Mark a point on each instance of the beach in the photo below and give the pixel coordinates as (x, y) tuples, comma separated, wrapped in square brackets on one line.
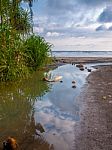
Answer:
[(83, 59), (94, 129)]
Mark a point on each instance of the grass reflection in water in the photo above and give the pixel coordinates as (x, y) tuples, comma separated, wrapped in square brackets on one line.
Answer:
[(16, 112)]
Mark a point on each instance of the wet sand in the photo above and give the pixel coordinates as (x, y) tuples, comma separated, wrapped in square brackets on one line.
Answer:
[(58, 61), (94, 130), (83, 59)]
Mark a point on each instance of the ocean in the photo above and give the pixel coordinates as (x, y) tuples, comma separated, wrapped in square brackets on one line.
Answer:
[(82, 53)]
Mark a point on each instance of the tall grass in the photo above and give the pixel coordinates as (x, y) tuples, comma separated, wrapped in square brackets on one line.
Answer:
[(19, 57), (12, 63), (37, 51), (20, 50)]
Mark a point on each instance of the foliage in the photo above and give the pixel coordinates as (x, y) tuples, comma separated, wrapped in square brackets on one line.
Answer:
[(37, 51), (12, 63), (20, 50), (18, 57)]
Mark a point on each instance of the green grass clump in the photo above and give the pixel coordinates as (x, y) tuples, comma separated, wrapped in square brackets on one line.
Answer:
[(37, 51), (20, 50), (19, 57)]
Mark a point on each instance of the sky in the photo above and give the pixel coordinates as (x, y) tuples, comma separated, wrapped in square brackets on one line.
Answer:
[(74, 24)]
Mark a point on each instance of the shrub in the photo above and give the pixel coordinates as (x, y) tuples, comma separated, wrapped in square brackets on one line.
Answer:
[(37, 51)]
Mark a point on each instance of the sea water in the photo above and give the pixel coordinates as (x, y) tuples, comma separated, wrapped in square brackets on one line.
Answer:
[(82, 53)]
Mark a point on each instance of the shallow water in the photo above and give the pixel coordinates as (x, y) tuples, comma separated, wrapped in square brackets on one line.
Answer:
[(58, 110), (39, 114)]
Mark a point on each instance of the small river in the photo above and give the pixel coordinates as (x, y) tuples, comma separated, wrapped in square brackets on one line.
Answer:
[(42, 115)]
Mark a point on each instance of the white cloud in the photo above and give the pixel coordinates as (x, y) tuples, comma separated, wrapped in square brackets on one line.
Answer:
[(52, 34), (75, 18), (85, 43), (38, 29)]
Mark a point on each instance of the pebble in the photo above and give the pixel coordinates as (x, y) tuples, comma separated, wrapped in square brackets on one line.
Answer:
[(89, 70), (109, 96), (74, 86), (104, 97), (73, 81), (82, 69)]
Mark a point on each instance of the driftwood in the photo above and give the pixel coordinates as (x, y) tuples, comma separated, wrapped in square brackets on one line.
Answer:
[(57, 78)]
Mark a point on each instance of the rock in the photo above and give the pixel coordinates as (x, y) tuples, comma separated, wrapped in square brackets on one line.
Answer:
[(10, 144), (104, 97), (80, 65), (74, 86), (73, 82), (82, 68), (110, 102), (89, 70), (109, 96)]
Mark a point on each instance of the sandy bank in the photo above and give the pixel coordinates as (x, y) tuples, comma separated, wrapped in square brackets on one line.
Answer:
[(94, 130), (83, 59)]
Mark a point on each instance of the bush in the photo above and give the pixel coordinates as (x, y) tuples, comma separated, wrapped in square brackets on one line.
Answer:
[(37, 51), (20, 57)]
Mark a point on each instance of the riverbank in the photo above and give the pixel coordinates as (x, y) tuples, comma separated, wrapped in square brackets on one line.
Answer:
[(94, 130), (58, 61), (64, 117), (83, 59)]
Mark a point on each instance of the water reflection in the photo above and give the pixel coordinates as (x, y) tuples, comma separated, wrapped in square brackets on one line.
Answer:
[(59, 109), (39, 114), (17, 113)]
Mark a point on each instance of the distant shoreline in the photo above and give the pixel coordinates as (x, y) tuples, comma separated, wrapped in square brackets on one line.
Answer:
[(81, 53), (83, 59), (59, 61)]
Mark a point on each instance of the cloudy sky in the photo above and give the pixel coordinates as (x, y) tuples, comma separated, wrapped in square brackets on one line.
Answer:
[(75, 24)]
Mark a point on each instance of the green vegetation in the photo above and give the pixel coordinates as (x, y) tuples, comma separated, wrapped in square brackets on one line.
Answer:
[(37, 51), (21, 52), (17, 110)]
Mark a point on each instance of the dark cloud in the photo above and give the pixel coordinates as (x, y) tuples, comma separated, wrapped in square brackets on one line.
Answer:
[(63, 11), (59, 6), (106, 15), (76, 10), (95, 3), (110, 28), (69, 5), (101, 28)]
